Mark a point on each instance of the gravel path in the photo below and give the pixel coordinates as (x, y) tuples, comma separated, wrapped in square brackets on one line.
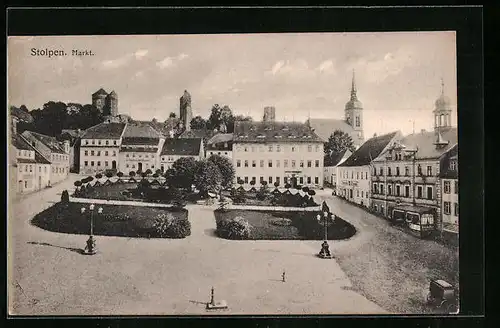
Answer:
[(387, 265)]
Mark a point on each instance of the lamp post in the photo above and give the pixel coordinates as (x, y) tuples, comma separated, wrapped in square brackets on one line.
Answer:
[(325, 248), (90, 248)]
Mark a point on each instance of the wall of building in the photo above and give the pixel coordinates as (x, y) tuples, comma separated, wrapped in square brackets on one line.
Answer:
[(449, 201), (279, 162), (353, 183), (59, 167), (166, 161), (97, 159), (132, 161)]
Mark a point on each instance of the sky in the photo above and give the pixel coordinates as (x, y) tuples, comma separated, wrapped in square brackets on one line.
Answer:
[(398, 75)]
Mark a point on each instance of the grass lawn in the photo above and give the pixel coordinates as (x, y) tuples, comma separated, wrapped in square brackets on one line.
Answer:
[(111, 191), (302, 225), (116, 220)]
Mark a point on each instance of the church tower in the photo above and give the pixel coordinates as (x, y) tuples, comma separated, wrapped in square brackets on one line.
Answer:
[(185, 112), (354, 112), (442, 112)]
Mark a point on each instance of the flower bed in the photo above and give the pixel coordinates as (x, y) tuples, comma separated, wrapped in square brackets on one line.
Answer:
[(273, 197), (116, 220), (300, 225)]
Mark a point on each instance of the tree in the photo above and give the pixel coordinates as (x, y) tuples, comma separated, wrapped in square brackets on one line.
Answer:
[(208, 177), (98, 176), (226, 168), (276, 184), (148, 172), (131, 174), (198, 123), (119, 175), (172, 115), (337, 142), (182, 172), (220, 115)]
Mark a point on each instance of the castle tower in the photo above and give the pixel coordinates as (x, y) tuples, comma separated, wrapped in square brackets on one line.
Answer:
[(186, 114), (99, 99), (269, 114), (442, 112), (354, 111), (111, 107)]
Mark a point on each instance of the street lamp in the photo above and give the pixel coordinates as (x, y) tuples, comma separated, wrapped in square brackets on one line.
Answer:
[(90, 249), (325, 248)]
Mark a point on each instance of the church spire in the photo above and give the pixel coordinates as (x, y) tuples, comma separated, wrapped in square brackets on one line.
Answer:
[(353, 86), (442, 86)]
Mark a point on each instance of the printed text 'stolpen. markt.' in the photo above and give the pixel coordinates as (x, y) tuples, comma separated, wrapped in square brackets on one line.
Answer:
[(59, 53)]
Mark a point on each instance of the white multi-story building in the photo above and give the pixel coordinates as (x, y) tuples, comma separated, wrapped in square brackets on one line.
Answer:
[(449, 187), (100, 146), (354, 174), (174, 149), (331, 164), (220, 144), (282, 152), (58, 153)]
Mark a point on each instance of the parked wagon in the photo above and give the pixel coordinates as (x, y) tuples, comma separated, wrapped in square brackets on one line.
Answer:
[(417, 219), (443, 296)]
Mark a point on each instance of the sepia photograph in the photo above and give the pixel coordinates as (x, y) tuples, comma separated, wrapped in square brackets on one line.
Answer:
[(233, 174)]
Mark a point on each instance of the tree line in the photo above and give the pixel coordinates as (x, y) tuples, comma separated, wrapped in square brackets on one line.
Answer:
[(218, 115)]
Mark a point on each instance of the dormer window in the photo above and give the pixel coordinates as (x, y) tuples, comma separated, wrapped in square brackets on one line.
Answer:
[(453, 165)]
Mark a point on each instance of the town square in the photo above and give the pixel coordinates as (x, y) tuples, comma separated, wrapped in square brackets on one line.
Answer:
[(135, 195)]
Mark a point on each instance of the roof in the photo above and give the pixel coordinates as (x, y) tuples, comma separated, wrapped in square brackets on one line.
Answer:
[(104, 131), (336, 157), (184, 146), (425, 143), (445, 170), (72, 132), (21, 114), (221, 141), (273, 132), (40, 159), (20, 143), (197, 134), (165, 127), (141, 130), (51, 142), (370, 150), (100, 92), (324, 128), (128, 149), (25, 160)]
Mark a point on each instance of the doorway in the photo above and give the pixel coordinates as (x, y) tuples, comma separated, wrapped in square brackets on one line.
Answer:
[(350, 193), (113, 165), (139, 166), (294, 181)]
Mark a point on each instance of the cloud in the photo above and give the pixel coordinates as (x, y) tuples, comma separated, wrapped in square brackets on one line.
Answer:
[(166, 62), (326, 66), (182, 56), (277, 67), (115, 63), (141, 53), (298, 68)]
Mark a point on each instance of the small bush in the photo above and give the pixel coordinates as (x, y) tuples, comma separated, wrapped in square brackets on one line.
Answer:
[(167, 226), (237, 228), (65, 197)]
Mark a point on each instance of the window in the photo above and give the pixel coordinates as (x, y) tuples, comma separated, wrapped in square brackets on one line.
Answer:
[(366, 175), (86, 164), (285, 180), (278, 163), (92, 163), (278, 148), (261, 163), (381, 189), (293, 149), (316, 180), (389, 189), (114, 152), (107, 142), (270, 180), (447, 187), (270, 163), (127, 166), (245, 149), (246, 163), (308, 180), (316, 163), (86, 142), (106, 163), (270, 148), (277, 180), (86, 153), (389, 173), (301, 180), (293, 163), (375, 189), (133, 166), (419, 191), (92, 153), (93, 142), (106, 153), (127, 155), (447, 208), (254, 163), (456, 209), (429, 170), (429, 192), (252, 148), (261, 180), (381, 171), (352, 174), (309, 163), (407, 171), (246, 179), (25, 184), (357, 121), (357, 175), (453, 165), (407, 191), (317, 148), (456, 187), (301, 163), (238, 163), (114, 142), (398, 190), (98, 163), (309, 148), (419, 170), (285, 163), (397, 171)]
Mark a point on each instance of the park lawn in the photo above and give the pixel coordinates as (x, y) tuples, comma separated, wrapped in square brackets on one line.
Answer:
[(303, 226), (116, 220)]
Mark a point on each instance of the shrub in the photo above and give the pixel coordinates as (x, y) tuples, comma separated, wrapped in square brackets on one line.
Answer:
[(148, 172), (98, 176), (109, 174), (223, 203), (237, 228), (65, 197), (131, 174), (156, 175), (78, 183), (282, 222), (167, 226), (240, 197), (276, 184)]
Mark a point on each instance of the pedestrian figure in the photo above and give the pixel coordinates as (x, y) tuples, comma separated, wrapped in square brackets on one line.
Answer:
[(283, 276)]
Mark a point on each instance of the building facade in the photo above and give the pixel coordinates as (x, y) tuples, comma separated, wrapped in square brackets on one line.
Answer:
[(331, 163), (450, 191), (354, 174), (100, 147), (58, 153), (281, 152), (220, 144), (174, 149)]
